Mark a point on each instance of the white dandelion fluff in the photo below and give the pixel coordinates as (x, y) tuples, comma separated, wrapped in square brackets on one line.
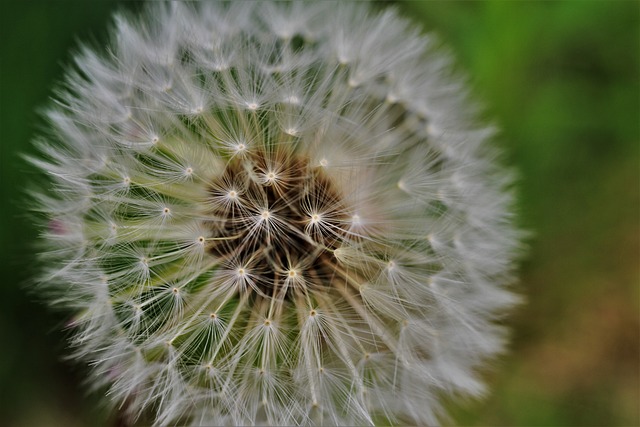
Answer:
[(275, 213)]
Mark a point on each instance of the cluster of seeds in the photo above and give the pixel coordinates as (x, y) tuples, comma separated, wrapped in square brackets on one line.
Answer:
[(275, 213), (279, 218)]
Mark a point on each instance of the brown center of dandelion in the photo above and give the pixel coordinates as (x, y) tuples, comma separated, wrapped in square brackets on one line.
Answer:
[(277, 218)]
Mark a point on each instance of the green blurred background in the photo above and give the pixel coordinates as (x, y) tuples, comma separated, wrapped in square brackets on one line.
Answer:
[(561, 78)]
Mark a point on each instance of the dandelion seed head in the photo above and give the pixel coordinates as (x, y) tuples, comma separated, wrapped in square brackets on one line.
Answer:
[(275, 213)]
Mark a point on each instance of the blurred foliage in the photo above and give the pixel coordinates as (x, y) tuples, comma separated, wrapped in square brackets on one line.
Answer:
[(560, 78)]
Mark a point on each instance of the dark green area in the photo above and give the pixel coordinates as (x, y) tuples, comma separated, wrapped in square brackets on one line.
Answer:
[(38, 387), (560, 78)]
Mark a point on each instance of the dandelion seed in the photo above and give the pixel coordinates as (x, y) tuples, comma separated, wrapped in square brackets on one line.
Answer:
[(275, 213)]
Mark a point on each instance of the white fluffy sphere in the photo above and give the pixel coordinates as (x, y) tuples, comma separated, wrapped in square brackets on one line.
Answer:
[(275, 213)]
